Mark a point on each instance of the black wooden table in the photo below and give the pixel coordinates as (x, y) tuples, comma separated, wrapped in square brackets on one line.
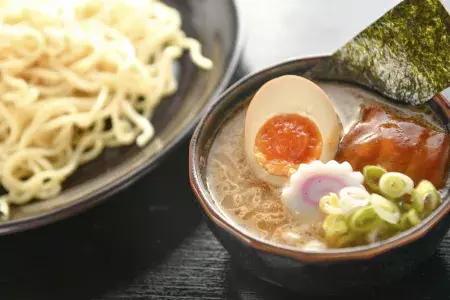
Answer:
[(149, 242)]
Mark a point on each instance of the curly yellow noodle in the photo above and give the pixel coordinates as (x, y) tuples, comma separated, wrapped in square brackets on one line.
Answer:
[(76, 77)]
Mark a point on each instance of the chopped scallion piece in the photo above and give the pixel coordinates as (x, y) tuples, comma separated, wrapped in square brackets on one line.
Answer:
[(329, 204), (409, 219), (425, 197), (385, 209), (384, 231), (395, 185), (372, 175), (350, 198), (341, 241), (4, 209), (335, 225), (364, 219)]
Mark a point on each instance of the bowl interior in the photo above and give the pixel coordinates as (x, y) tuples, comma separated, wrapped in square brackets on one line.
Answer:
[(347, 99), (215, 25)]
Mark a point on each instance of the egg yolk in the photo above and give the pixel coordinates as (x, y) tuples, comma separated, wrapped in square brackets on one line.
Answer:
[(285, 141)]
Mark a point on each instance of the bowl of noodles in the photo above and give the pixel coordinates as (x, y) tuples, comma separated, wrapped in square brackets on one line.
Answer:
[(95, 92)]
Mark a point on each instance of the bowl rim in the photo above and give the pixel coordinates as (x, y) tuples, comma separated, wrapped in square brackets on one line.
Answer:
[(100, 195), (354, 253)]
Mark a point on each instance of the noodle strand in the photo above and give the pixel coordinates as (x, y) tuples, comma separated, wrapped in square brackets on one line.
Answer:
[(76, 77)]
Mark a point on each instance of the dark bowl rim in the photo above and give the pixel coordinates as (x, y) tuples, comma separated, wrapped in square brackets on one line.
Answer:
[(354, 253), (98, 196)]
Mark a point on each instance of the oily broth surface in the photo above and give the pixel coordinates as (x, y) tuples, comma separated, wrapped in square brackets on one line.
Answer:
[(244, 198)]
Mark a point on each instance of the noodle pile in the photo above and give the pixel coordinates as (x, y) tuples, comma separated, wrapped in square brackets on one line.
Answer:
[(76, 77)]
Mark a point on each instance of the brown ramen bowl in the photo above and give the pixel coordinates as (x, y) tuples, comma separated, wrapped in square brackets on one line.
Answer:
[(330, 271)]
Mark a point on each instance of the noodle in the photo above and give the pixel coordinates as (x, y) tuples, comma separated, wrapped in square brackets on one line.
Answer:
[(76, 77)]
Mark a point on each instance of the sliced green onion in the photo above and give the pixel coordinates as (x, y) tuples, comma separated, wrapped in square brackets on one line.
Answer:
[(395, 185), (385, 209), (409, 219), (372, 175), (335, 225), (380, 233), (364, 219), (329, 204), (413, 217), (4, 209), (425, 197), (353, 197), (405, 206), (341, 241), (374, 235)]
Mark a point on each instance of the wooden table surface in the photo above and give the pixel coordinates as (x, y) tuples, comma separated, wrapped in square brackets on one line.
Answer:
[(149, 242)]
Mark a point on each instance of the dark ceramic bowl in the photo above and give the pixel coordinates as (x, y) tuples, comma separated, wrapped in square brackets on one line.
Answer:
[(216, 25), (330, 271)]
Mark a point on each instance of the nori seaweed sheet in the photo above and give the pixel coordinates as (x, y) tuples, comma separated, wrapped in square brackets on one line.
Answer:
[(405, 55)]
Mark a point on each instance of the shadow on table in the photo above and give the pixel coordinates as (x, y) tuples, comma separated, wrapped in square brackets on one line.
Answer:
[(107, 247), (430, 281)]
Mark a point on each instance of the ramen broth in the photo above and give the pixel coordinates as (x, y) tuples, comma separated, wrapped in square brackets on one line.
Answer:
[(254, 204)]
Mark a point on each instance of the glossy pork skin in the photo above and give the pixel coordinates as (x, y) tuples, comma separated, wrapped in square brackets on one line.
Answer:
[(397, 144)]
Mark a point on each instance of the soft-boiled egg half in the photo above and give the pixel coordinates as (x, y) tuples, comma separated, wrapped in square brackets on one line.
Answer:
[(289, 121)]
